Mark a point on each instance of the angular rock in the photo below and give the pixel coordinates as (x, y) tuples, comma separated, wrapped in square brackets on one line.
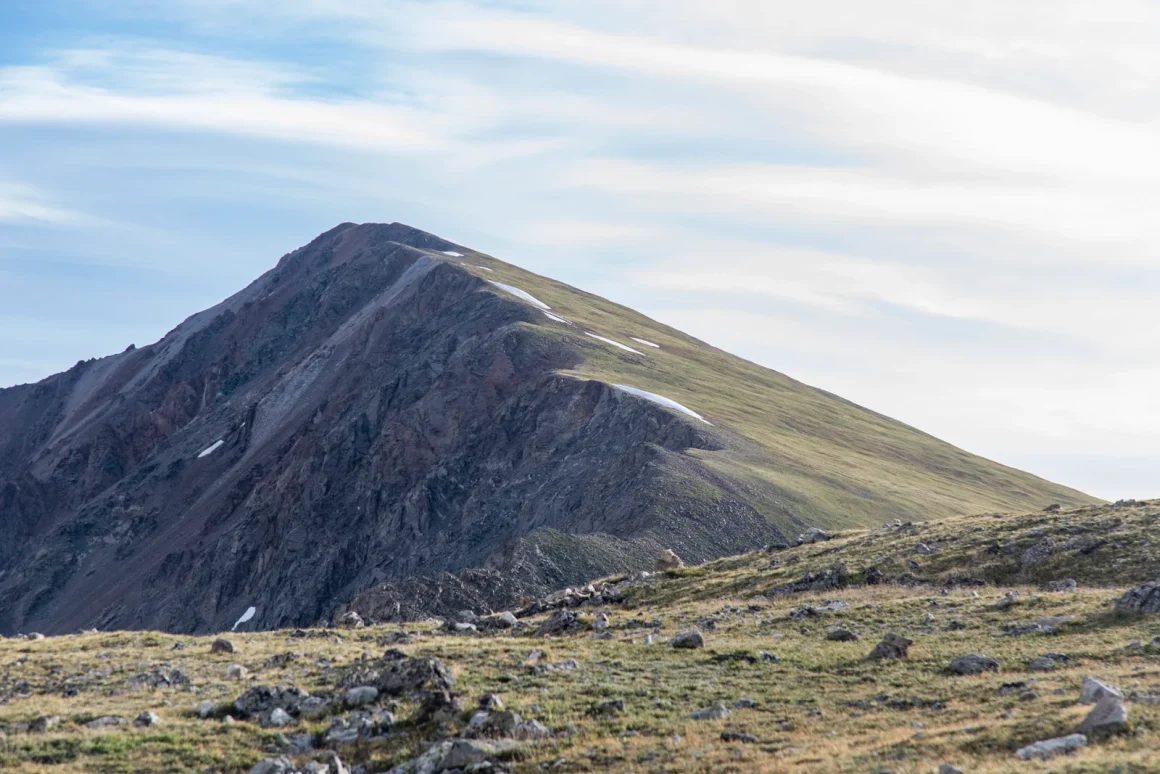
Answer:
[(108, 721), (204, 709), (147, 720), (668, 560), (360, 696), (1094, 689), (1109, 716), (272, 766), (974, 664), (812, 535), (840, 634), (1049, 748), (1067, 584), (415, 675), (275, 718), (236, 672), (713, 712), (892, 646), (43, 723), (1143, 600), (1038, 553), (946, 768), (350, 620), (221, 645), (689, 640), (559, 622)]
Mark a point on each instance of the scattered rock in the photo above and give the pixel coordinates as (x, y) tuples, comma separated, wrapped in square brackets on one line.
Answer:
[(923, 549), (414, 675), (1143, 600), (668, 560), (892, 646), (1050, 748), (714, 712), (559, 622), (737, 736), (236, 672), (147, 720), (607, 708), (1109, 716), (1067, 584), (1038, 553), (974, 664), (946, 768), (204, 709), (280, 660), (691, 639), (105, 722), (1048, 662), (275, 718), (531, 730), (1094, 689), (360, 696), (601, 623), (350, 620), (491, 702), (43, 723), (812, 535), (221, 645), (840, 634), (272, 766)]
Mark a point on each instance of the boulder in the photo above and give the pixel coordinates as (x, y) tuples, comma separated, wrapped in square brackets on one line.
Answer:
[(1109, 716), (1143, 600), (974, 664), (43, 723), (689, 640), (275, 718), (713, 712), (415, 675), (812, 535), (1094, 689), (360, 696), (559, 622), (236, 672), (221, 645), (668, 560), (1038, 553), (1049, 748), (840, 634), (1059, 586), (892, 646), (262, 698), (205, 709), (107, 721), (350, 620), (147, 720), (272, 766)]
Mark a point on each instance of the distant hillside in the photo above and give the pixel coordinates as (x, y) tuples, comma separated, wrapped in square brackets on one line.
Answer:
[(385, 407)]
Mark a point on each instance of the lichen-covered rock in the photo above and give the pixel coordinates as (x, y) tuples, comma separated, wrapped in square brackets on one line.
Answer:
[(892, 646), (1143, 600), (689, 640), (416, 675), (974, 664), (668, 560)]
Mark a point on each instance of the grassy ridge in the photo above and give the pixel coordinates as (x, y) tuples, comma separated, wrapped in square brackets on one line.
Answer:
[(831, 462), (819, 707)]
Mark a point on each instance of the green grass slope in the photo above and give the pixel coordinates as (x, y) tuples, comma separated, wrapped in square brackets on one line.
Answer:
[(799, 449)]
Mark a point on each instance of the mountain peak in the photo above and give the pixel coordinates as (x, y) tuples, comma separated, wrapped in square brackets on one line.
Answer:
[(385, 407)]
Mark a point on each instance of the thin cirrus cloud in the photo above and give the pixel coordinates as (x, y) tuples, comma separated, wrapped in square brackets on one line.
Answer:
[(943, 210)]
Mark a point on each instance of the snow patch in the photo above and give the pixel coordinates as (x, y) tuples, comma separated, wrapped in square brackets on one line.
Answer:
[(246, 616), (521, 294), (551, 316), (662, 401), (625, 347), (453, 254), (483, 267), (213, 447), (646, 342)]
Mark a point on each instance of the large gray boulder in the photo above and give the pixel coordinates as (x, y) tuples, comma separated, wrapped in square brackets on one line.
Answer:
[(892, 646), (1143, 600), (1109, 716), (1093, 690), (1049, 748), (688, 640), (974, 664)]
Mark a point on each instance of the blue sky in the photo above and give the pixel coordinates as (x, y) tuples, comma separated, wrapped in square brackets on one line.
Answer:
[(944, 211)]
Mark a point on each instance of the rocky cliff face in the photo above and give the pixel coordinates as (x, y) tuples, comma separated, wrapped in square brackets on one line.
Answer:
[(367, 411), (369, 416)]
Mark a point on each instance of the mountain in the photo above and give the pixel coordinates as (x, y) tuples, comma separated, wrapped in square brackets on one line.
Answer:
[(396, 422)]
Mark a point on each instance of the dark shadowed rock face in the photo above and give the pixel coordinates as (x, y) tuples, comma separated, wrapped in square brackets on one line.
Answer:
[(367, 415)]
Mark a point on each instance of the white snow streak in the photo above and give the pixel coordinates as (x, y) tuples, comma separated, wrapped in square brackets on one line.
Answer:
[(662, 401), (245, 617), (521, 294), (646, 342), (625, 347), (216, 445), (452, 253), (551, 316), (483, 267)]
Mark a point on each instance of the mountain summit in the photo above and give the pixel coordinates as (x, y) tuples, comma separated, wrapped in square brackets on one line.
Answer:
[(390, 421)]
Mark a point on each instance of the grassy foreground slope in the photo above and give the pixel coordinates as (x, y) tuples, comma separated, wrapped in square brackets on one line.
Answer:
[(621, 699), (829, 461)]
